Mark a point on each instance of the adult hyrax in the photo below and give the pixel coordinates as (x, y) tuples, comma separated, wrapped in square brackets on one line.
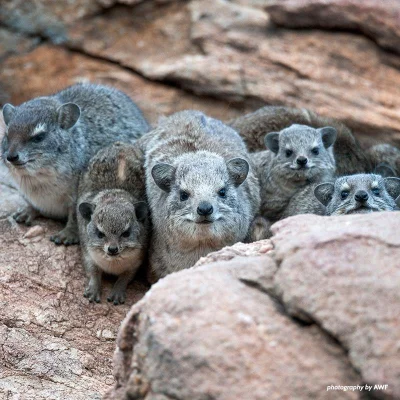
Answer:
[(350, 157), (361, 193), (113, 218), (298, 156), (49, 140), (385, 159), (201, 188)]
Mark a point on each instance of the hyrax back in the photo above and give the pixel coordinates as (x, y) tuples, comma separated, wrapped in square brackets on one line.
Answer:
[(360, 193), (113, 218), (49, 141), (298, 156), (385, 159), (201, 188), (350, 157)]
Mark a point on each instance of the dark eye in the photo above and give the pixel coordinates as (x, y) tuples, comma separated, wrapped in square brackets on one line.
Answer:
[(289, 153), (99, 234), (344, 194), (126, 233), (222, 192), (376, 191), (184, 195), (315, 151), (38, 138)]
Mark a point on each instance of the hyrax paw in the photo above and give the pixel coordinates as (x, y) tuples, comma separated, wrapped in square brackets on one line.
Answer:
[(92, 294), (66, 237), (117, 297), (25, 216)]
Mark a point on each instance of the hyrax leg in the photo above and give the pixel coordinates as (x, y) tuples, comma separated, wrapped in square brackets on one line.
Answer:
[(118, 292), (68, 235), (93, 288), (26, 215)]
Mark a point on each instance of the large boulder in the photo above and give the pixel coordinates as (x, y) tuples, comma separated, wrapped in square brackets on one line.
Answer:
[(288, 318)]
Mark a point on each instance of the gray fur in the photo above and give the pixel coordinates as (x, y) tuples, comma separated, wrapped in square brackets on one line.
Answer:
[(281, 177), (55, 137), (194, 154), (112, 200), (342, 196), (385, 159)]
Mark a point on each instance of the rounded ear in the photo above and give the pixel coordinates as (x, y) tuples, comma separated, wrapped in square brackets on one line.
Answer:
[(141, 211), (68, 115), (86, 210), (328, 134), (324, 192), (163, 175), (392, 186), (385, 170), (238, 168), (8, 112), (271, 140)]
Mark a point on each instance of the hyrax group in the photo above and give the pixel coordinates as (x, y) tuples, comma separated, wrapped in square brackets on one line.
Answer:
[(163, 197)]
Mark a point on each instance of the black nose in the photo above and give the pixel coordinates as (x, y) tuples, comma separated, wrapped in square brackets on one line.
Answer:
[(361, 196), (112, 250), (205, 208), (12, 157), (301, 160)]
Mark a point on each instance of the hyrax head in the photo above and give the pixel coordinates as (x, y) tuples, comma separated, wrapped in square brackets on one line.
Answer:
[(301, 152), (361, 193), (36, 133), (202, 194), (115, 226)]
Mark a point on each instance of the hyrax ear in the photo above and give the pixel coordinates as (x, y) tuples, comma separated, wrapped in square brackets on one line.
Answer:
[(86, 210), (141, 210), (385, 170), (8, 112), (238, 168), (68, 115), (392, 186), (328, 134), (271, 140), (163, 175), (324, 193)]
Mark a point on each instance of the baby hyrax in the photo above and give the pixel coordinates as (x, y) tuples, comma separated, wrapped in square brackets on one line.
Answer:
[(297, 157), (49, 140), (361, 193), (201, 188), (113, 218)]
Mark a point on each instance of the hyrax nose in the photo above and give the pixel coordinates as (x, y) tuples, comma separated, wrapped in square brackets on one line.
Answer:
[(301, 160), (205, 208), (112, 250), (12, 157), (361, 196)]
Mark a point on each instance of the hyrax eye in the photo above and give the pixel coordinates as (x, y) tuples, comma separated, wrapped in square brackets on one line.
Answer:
[(38, 138), (184, 195), (100, 234), (376, 191), (288, 152), (126, 233), (222, 193), (344, 194), (315, 151)]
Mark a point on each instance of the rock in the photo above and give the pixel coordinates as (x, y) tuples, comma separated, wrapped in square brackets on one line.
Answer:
[(49, 347), (204, 333), (376, 19), (230, 51), (343, 274), (25, 77)]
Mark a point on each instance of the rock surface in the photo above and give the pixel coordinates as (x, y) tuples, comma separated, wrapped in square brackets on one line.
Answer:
[(222, 327)]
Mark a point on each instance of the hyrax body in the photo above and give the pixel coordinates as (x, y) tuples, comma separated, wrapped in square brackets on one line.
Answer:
[(113, 218), (49, 141), (298, 157), (360, 193), (385, 159), (201, 188), (350, 157)]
